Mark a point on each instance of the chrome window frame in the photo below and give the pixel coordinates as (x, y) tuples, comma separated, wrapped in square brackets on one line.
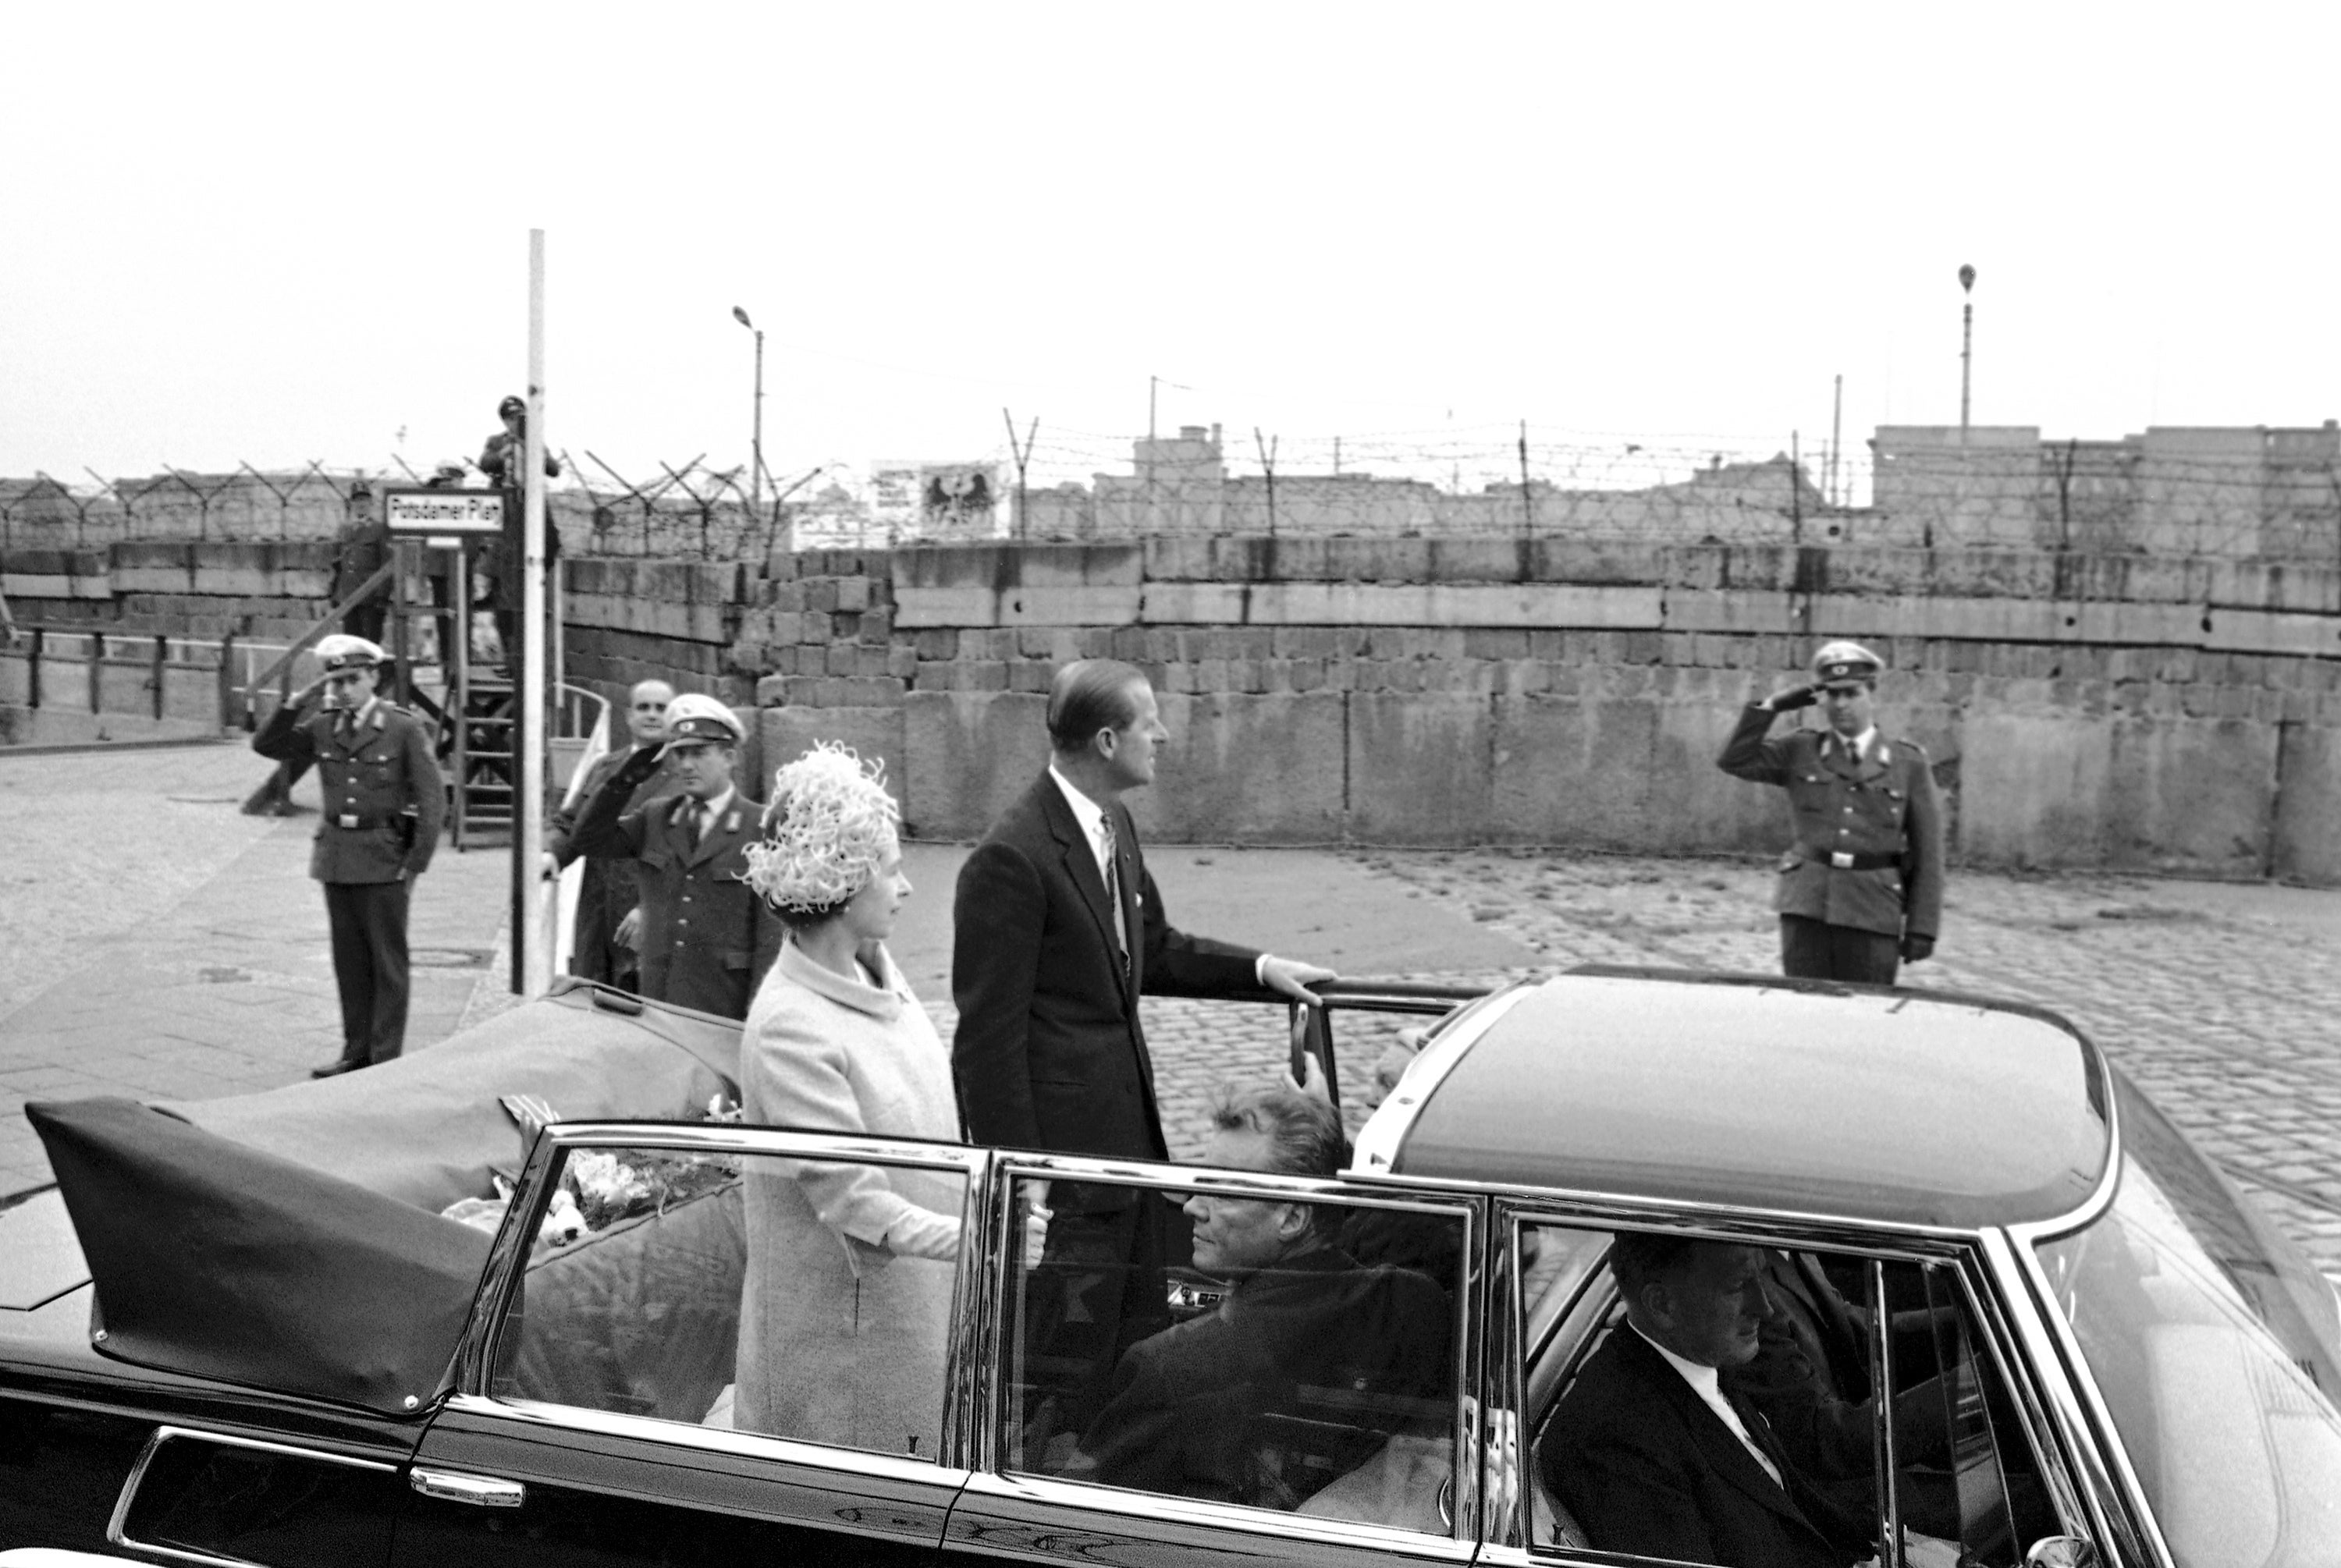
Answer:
[(1455, 1201), (161, 1435), (470, 1383), (2064, 1455), (1378, 1143)]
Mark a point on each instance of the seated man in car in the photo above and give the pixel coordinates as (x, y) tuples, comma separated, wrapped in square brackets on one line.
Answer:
[(1810, 1380), (1649, 1450), (1304, 1367)]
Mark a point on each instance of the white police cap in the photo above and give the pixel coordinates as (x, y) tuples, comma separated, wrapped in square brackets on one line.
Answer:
[(1838, 661), (693, 717), (343, 652)]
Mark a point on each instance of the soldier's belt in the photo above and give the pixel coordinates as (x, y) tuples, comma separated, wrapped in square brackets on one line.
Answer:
[(1843, 861), (358, 821)]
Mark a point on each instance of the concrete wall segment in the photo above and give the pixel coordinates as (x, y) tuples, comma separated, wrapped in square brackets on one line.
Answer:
[(2306, 840), (973, 753), (1419, 768), (786, 734)]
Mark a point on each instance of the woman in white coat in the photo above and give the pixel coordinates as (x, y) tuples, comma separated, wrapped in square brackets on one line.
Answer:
[(845, 1317)]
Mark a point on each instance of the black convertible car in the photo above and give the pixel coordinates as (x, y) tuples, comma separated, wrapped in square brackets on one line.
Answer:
[(364, 1322)]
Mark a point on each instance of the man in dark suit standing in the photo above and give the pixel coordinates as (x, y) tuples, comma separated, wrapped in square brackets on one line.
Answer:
[(383, 800), (1861, 891), (606, 893), (1653, 1453), (1058, 930), (706, 938)]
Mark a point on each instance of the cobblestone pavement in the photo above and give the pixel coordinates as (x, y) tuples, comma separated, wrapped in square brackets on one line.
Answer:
[(153, 943)]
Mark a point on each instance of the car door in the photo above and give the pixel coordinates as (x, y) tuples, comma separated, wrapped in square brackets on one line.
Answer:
[(1980, 1469), (677, 1361), (1149, 1395)]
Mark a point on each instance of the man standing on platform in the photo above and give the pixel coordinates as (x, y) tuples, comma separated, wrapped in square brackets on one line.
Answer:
[(384, 803), (1861, 891), (506, 558), (1059, 929), (606, 893), (706, 938)]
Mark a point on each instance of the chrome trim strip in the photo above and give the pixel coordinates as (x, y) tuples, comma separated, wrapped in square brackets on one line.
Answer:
[(161, 1435), (477, 1491), (538, 1415), (1884, 1417), (1381, 1140), (1137, 1510)]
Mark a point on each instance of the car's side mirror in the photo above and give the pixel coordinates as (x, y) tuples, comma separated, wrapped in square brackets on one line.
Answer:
[(2060, 1551)]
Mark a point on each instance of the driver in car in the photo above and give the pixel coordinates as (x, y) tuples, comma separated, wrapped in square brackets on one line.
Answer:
[(1304, 1367), (1655, 1454)]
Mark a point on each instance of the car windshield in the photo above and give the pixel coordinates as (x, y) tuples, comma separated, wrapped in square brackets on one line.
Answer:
[(2215, 1347)]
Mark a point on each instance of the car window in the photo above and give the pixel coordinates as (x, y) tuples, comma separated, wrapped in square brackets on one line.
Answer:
[(801, 1296), (1213, 1341), (2213, 1346), (1776, 1449), (1964, 1472)]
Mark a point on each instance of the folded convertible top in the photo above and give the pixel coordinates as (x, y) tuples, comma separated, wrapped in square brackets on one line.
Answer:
[(218, 1260)]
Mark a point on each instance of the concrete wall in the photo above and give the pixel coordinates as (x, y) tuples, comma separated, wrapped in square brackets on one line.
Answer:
[(2117, 711), (2113, 710)]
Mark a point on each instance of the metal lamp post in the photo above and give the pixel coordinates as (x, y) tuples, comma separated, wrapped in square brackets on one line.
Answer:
[(1966, 344), (756, 444)]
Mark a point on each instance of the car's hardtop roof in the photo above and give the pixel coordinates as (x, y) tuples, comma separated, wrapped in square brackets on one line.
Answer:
[(1895, 1106)]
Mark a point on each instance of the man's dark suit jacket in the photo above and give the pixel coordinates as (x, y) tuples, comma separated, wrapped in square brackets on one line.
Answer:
[(1644, 1466), (1049, 1054), (607, 892), (1297, 1374)]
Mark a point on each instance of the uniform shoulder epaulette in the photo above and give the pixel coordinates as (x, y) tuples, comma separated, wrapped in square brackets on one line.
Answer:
[(1912, 747)]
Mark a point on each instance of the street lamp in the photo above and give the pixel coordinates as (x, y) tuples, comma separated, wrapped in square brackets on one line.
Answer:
[(1966, 344), (756, 445)]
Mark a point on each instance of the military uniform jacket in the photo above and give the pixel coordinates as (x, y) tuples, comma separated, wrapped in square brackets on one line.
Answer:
[(707, 937), (385, 799), (1883, 804)]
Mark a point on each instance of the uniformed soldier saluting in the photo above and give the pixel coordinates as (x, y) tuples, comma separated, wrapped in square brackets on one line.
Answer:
[(706, 938), (1862, 888), (384, 803)]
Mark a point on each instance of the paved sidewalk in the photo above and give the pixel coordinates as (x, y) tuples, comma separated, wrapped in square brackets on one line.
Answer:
[(153, 943), (156, 943)]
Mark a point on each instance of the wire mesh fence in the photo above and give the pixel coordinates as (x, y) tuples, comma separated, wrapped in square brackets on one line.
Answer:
[(2239, 494)]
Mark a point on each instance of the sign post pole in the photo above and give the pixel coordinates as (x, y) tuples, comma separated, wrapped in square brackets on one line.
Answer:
[(531, 952)]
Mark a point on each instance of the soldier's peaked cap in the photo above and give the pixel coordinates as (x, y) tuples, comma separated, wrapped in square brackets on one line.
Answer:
[(693, 717), (1838, 661), (343, 652)]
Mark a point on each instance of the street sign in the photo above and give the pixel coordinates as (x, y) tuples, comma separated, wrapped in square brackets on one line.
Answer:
[(444, 519)]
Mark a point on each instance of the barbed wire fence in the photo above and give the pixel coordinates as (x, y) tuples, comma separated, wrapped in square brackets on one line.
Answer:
[(2281, 502)]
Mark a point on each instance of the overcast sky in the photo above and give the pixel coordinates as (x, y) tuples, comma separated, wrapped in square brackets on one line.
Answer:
[(236, 232)]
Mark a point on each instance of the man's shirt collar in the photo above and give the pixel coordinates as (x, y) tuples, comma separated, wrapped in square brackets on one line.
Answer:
[(1859, 746), (1085, 811), (1708, 1383), (719, 804), (1705, 1381)]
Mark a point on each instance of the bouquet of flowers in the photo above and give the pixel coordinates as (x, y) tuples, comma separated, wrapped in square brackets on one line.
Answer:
[(600, 1188)]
